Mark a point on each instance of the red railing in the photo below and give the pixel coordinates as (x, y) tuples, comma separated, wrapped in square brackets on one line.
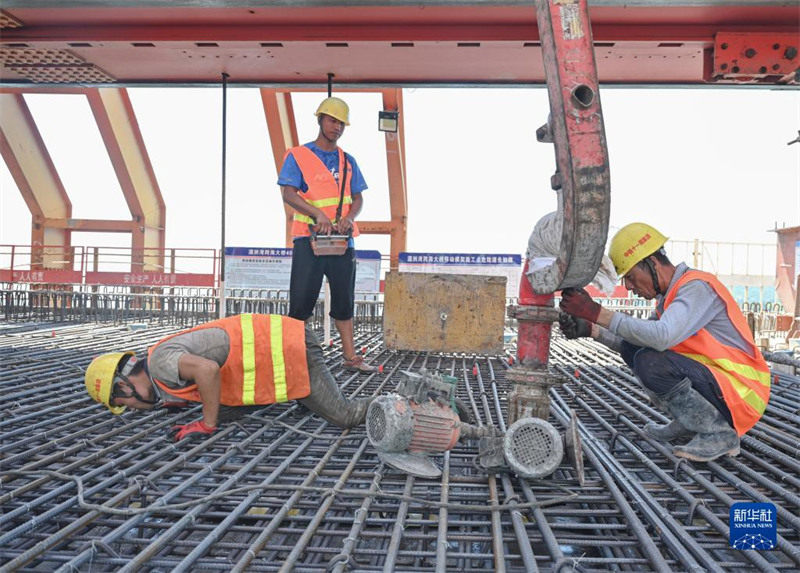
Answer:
[(86, 265)]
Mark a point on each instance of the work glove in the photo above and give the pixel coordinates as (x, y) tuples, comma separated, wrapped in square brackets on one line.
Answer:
[(198, 428), (578, 303), (573, 327)]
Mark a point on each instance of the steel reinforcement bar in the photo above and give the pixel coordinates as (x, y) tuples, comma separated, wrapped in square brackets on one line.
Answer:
[(279, 489), (184, 307)]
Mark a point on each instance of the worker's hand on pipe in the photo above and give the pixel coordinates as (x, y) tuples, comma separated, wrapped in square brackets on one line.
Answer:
[(577, 302), (573, 327), (198, 428)]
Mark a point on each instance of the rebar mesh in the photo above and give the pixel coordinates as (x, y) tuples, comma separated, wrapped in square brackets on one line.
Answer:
[(279, 489)]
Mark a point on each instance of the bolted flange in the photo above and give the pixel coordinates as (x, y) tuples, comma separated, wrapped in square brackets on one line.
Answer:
[(531, 394)]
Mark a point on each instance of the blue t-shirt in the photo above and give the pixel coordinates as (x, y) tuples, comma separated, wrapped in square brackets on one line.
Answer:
[(291, 175)]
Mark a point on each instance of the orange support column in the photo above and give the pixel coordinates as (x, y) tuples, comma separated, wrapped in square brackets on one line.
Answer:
[(26, 156), (396, 169), (282, 128), (119, 129)]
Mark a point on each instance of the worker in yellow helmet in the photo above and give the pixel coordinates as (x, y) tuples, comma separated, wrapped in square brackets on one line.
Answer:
[(695, 356), (324, 186), (242, 360)]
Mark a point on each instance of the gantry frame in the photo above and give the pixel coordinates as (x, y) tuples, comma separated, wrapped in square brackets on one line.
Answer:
[(35, 174)]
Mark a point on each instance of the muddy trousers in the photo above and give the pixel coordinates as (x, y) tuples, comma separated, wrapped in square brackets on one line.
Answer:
[(326, 399), (661, 372)]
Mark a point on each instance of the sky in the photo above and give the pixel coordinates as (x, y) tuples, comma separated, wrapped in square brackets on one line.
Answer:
[(711, 164)]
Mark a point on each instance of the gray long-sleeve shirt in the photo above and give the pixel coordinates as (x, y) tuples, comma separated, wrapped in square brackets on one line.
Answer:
[(694, 307), (210, 343)]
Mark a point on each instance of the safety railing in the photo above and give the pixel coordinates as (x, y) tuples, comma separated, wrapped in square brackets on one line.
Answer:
[(37, 305), (134, 269), (188, 306)]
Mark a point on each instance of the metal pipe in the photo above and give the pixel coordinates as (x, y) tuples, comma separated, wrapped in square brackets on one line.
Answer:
[(389, 564), (345, 557)]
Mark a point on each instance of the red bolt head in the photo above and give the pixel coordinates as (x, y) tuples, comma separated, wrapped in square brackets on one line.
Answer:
[(330, 343), (363, 350), (380, 369), (577, 373)]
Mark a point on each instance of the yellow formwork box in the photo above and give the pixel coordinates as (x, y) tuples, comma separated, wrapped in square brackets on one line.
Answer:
[(444, 312)]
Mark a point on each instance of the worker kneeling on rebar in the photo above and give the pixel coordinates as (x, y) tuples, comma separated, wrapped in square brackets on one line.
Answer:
[(248, 359), (695, 355)]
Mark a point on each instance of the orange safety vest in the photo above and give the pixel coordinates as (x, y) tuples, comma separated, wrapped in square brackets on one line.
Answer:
[(323, 190), (266, 361), (744, 378)]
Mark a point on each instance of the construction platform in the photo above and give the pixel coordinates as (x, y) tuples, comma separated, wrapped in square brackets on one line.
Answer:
[(279, 489)]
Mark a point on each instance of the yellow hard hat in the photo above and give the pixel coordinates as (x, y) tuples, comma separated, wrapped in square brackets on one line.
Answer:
[(336, 108), (100, 378), (633, 243)]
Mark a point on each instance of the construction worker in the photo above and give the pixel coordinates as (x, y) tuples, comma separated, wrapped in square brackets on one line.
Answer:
[(324, 186), (695, 355), (248, 359)]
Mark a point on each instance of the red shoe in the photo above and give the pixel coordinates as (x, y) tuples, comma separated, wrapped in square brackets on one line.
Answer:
[(357, 364)]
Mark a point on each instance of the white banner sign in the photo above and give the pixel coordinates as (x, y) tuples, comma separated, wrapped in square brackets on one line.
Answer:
[(368, 271), (504, 265), (271, 268), (260, 268)]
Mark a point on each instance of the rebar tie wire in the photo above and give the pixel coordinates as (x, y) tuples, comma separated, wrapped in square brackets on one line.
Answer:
[(324, 491)]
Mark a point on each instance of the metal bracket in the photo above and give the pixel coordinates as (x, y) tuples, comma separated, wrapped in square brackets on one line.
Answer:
[(756, 57)]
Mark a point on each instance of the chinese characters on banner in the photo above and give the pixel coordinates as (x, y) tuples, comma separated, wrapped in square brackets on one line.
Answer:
[(504, 265), (271, 268)]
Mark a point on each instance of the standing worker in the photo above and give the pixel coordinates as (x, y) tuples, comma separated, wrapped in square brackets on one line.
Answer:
[(695, 355), (324, 185), (241, 360)]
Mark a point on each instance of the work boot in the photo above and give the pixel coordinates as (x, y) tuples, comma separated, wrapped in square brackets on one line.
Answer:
[(714, 436), (664, 432), (326, 399)]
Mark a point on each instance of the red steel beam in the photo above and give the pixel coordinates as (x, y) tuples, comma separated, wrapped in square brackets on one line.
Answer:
[(32, 169), (282, 128), (119, 129), (396, 171), (94, 225)]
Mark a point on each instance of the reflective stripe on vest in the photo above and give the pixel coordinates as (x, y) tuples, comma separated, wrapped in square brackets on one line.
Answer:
[(744, 391), (743, 378), (323, 189), (266, 362), (278, 365), (248, 360), (322, 204)]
